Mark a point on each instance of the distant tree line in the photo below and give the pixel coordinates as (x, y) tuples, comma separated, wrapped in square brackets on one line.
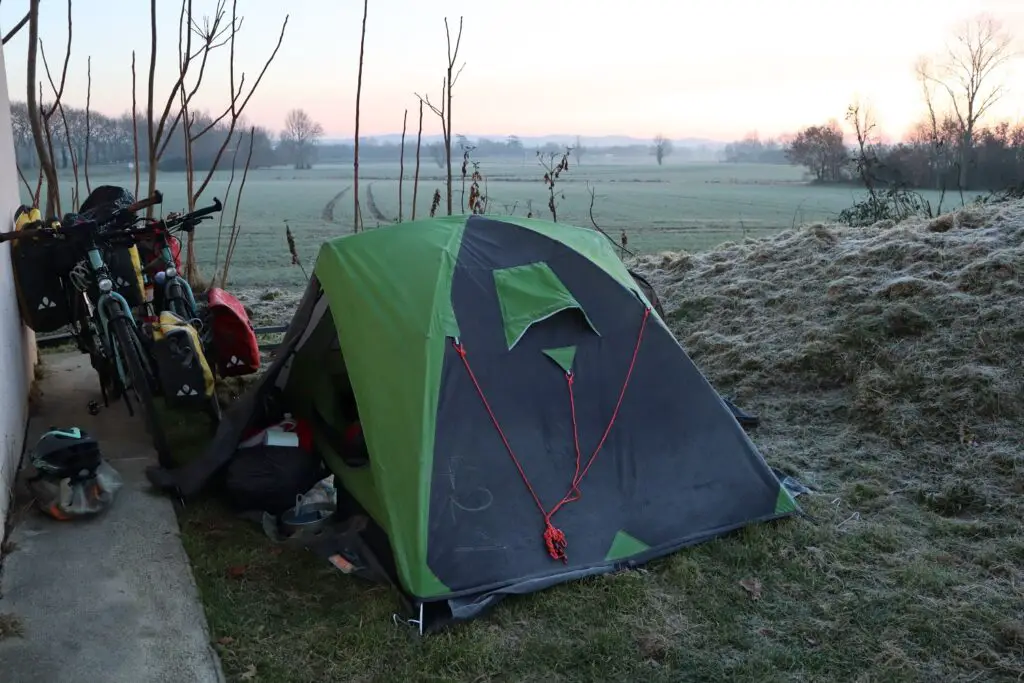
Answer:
[(926, 159), (111, 140), (753, 150), (952, 148), (511, 148), (298, 144)]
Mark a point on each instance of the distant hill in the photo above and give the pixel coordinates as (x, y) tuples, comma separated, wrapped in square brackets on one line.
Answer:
[(535, 141)]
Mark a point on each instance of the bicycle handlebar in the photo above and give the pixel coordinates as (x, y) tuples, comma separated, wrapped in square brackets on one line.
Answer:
[(196, 215), (157, 198), (26, 232)]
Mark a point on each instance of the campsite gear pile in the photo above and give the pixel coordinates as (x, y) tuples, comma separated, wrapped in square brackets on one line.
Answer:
[(307, 518), (69, 478), (139, 350), (274, 467), (528, 417)]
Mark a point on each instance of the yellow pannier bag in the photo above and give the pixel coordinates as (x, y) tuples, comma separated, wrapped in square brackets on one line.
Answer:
[(185, 374)]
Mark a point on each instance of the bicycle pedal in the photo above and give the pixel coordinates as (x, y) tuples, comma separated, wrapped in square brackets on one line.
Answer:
[(94, 408)]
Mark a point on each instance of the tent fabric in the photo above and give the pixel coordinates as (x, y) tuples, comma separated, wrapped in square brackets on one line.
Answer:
[(529, 294), (500, 367)]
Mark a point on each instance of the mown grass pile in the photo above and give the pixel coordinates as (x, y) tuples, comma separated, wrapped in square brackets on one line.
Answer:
[(886, 363), (910, 333)]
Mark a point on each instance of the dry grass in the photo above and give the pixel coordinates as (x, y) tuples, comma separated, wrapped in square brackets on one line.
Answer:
[(10, 626), (913, 335), (886, 365)]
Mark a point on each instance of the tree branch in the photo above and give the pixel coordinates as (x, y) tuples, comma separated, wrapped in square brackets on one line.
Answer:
[(17, 27), (401, 164), (593, 196), (64, 73), (88, 128), (236, 112), (355, 156), (235, 227), (135, 128), (227, 195), (416, 177), (45, 160), (59, 107)]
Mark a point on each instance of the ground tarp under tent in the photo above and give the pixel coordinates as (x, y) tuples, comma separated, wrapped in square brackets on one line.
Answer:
[(529, 417)]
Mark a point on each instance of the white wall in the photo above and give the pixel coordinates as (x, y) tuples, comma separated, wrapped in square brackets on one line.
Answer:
[(17, 344)]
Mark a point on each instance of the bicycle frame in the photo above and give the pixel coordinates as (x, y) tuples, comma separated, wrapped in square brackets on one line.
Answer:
[(108, 306), (172, 279)]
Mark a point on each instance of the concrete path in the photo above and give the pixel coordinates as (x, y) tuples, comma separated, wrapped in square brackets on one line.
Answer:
[(109, 599)]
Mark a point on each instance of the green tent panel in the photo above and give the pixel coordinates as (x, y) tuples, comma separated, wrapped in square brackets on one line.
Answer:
[(530, 294), (564, 356), (500, 368), (624, 545)]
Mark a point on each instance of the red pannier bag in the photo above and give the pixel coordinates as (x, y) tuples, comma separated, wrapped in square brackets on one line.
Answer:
[(151, 251), (235, 349)]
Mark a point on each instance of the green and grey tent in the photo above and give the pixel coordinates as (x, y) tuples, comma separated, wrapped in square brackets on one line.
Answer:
[(529, 418)]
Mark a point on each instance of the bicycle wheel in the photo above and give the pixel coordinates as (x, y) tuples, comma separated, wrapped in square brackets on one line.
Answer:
[(129, 349)]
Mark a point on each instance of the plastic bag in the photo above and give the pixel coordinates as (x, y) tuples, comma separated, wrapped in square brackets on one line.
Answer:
[(66, 499), (311, 508)]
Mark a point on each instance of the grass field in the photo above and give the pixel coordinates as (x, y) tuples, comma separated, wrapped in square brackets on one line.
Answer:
[(673, 207), (885, 365)]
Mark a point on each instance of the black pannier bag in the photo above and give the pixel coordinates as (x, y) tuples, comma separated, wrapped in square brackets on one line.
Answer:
[(125, 268), (124, 263), (270, 478), (39, 277), (185, 374)]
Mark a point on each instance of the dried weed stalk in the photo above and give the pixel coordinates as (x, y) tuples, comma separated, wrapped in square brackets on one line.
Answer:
[(554, 164)]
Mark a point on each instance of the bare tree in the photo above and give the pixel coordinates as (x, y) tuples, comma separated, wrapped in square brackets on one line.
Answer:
[(578, 150), (39, 121), (416, 176), (135, 128), (212, 34), (862, 117), (401, 164), (662, 148), (445, 110), (300, 135), (968, 75), (357, 217), (227, 193), (938, 153), (235, 227), (88, 132), (67, 148)]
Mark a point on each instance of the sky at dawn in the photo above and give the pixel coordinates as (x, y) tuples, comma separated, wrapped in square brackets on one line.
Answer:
[(682, 68)]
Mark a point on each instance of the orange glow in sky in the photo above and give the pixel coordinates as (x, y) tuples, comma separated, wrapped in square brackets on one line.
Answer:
[(595, 67)]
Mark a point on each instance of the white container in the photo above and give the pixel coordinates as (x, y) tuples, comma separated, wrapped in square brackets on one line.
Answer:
[(279, 437)]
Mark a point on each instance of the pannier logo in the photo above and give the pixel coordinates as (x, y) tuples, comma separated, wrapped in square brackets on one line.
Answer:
[(235, 362), (186, 390), (46, 303)]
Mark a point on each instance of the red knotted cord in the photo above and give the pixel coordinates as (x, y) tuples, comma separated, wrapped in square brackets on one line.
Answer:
[(554, 538)]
